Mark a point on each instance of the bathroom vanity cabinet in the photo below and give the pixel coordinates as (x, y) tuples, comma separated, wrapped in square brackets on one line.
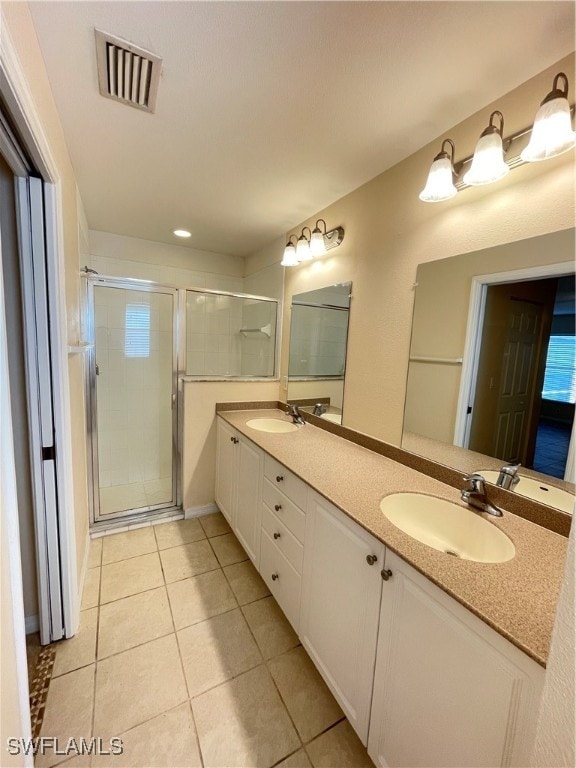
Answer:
[(238, 487), (448, 690), (421, 679), (340, 603)]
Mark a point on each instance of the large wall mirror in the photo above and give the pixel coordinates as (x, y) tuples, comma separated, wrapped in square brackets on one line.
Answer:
[(492, 372), (318, 338)]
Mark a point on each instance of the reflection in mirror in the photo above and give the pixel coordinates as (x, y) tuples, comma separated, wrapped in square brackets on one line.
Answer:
[(492, 372), (318, 336)]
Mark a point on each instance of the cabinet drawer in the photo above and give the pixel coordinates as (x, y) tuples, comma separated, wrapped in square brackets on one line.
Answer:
[(292, 486), (284, 540), (286, 585), (288, 513)]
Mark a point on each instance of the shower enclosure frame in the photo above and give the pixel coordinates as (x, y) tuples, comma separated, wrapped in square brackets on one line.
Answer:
[(179, 376), (165, 508)]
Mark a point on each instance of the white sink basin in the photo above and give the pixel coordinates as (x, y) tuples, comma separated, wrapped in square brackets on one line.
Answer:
[(448, 527), (539, 491), (271, 425), (335, 417)]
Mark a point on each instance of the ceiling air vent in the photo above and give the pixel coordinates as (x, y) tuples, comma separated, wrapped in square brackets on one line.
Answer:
[(127, 73)]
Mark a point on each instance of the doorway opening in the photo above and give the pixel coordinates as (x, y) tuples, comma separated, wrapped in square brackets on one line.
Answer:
[(520, 401)]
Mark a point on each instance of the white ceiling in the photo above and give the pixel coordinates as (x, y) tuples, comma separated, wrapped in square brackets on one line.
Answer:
[(269, 111)]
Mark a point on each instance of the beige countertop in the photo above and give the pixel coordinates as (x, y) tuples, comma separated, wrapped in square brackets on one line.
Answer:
[(517, 598)]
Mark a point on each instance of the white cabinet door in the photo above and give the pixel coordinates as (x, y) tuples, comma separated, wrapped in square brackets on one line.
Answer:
[(248, 518), (448, 690), (226, 469), (340, 601)]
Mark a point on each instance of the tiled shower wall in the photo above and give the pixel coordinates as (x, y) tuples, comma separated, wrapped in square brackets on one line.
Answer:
[(318, 341), (216, 342)]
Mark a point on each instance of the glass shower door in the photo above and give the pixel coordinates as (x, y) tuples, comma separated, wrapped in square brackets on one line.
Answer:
[(134, 399)]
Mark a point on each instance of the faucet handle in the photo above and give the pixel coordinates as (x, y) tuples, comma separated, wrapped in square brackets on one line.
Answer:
[(475, 482)]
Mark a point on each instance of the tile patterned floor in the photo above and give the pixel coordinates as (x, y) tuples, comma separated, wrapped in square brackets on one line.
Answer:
[(183, 653), (551, 452)]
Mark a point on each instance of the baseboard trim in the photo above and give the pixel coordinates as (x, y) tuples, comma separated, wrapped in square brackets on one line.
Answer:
[(32, 624), (206, 509)]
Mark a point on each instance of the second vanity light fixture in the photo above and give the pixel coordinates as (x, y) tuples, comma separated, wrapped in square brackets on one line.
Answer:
[(551, 135), (316, 243)]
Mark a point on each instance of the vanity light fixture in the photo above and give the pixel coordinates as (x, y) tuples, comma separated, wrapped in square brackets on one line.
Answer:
[(289, 259), (488, 162), (440, 183), (317, 244), (551, 135), (303, 252), (181, 233), (552, 132)]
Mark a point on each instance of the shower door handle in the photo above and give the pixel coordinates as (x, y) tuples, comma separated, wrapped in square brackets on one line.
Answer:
[(97, 370)]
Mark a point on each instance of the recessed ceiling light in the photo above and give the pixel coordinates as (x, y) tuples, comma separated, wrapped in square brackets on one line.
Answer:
[(182, 233)]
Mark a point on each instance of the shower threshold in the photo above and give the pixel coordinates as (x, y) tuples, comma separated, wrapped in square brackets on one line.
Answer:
[(139, 519)]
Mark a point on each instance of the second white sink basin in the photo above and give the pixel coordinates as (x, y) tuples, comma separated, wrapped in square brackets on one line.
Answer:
[(448, 527), (271, 425), (537, 490), (334, 417)]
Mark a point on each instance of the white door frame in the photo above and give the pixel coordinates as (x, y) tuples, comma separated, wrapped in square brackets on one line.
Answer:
[(478, 293), (18, 98)]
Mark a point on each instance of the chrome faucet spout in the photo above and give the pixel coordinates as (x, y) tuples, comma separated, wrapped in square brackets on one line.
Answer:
[(508, 476), (474, 494), (294, 412)]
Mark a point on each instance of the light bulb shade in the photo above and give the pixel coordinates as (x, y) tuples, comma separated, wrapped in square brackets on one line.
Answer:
[(552, 133), (317, 244), (303, 252), (488, 162), (440, 184), (289, 259)]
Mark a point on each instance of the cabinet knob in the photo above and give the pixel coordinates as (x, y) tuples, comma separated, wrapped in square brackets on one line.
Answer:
[(276, 535), (371, 559), (279, 478), (277, 507), (234, 440), (386, 574), (274, 577)]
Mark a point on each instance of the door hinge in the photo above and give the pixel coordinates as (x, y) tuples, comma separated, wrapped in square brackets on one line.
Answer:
[(97, 370), (48, 453), (469, 409)]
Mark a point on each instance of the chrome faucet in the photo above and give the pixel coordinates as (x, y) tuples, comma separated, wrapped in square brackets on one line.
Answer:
[(508, 476), (293, 411), (319, 409), (475, 495)]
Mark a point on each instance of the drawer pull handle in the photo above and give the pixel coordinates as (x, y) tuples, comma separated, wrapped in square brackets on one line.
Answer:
[(279, 478), (386, 574), (274, 577), (371, 559), (276, 535)]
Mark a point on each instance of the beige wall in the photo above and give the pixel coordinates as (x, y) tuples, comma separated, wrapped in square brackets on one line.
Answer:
[(199, 431), (440, 320), (122, 256), (302, 390), (389, 231), (17, 24), (555, 732)]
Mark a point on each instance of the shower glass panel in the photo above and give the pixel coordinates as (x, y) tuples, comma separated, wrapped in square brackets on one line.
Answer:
[(134, 387), (229, 335)]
